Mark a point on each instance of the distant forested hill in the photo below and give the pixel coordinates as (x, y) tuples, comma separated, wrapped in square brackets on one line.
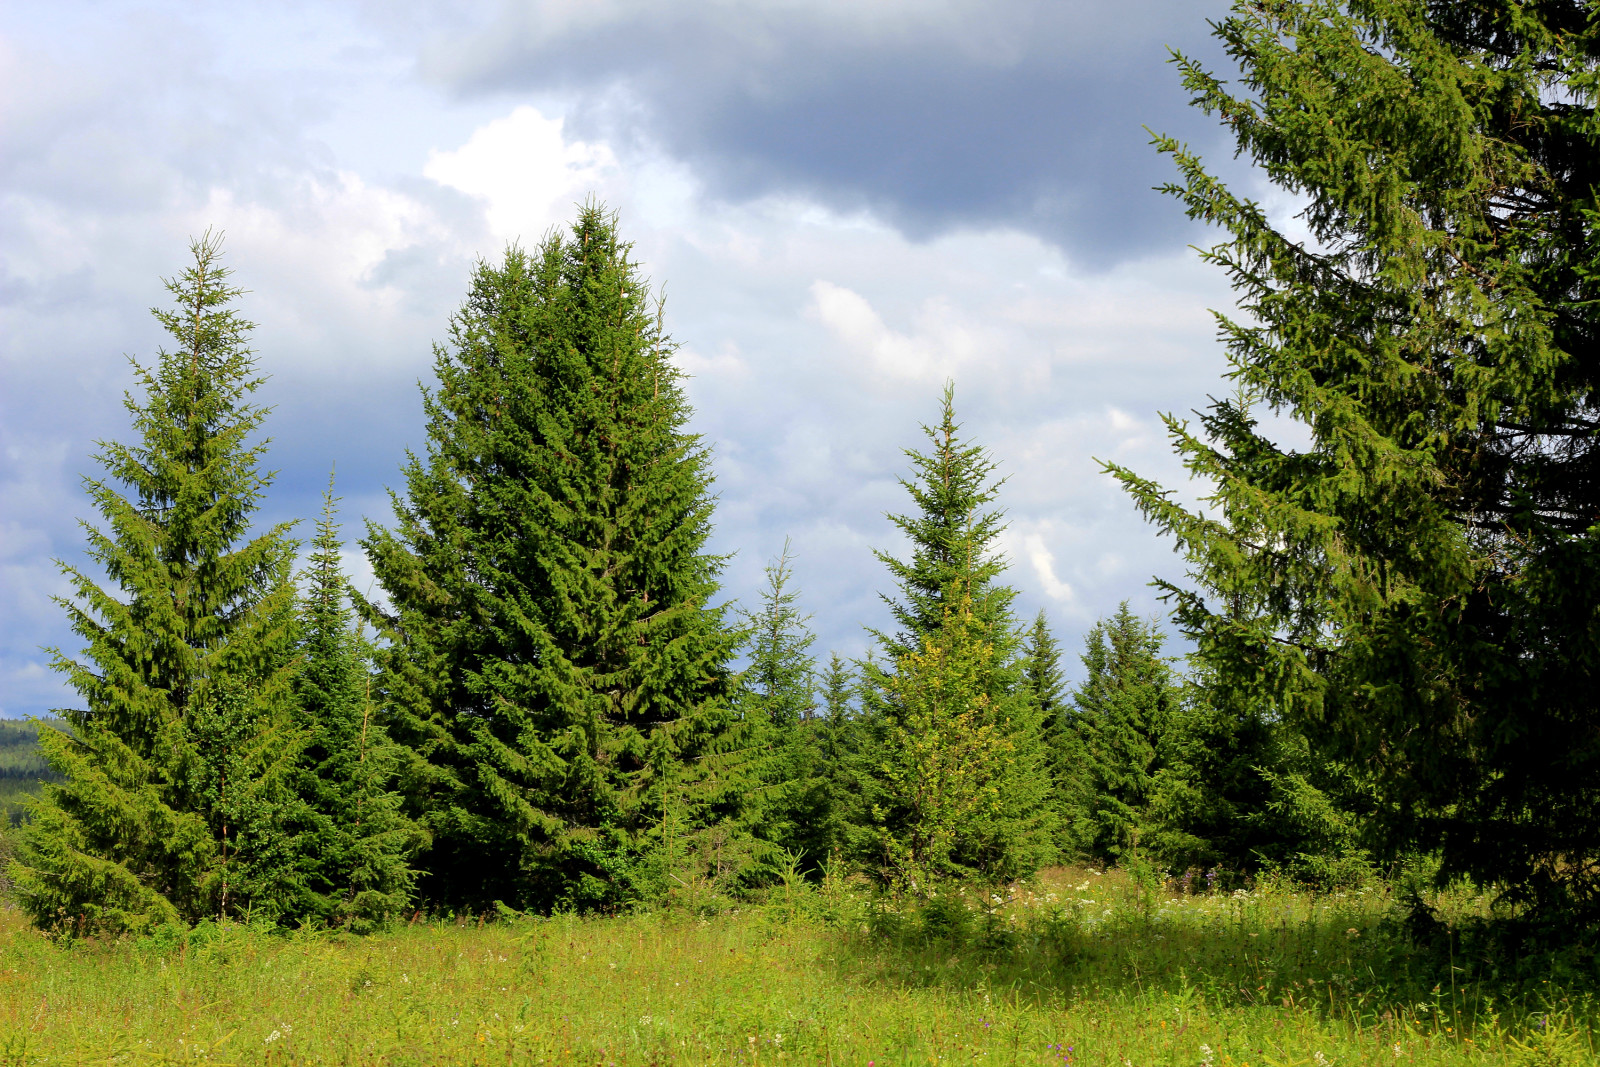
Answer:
[(21, 766)]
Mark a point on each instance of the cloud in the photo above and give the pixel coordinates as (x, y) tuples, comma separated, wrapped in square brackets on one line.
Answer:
[(1044, 568), (525, 170), (938, 349), (964, 113)]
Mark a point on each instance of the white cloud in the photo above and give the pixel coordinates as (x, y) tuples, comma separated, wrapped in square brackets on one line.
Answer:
[(854, 323), (1044, 568)]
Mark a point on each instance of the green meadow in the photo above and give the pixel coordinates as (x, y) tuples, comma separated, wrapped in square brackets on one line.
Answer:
[(1080, 967)]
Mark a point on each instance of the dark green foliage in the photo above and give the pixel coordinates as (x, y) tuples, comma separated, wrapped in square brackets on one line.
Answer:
[(1041, 671), (1068, 761), (1417, 587), (352, 839), (838, 692), (1208, 800), (236, 766), (796, 808), (1156, 769), (1122, 716), (949, 711), (836, 734), (778, 685), (1238, 790), (23, 769), (168, 808), (553, 654)]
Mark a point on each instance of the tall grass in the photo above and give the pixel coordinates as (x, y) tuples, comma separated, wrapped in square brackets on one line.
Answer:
[(1082, 968)]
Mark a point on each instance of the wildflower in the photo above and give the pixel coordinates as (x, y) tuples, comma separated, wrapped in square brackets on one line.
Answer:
[(1397, 1050), (777, 1039), (1322, 1061), (1205, 1056), (272, 1037)]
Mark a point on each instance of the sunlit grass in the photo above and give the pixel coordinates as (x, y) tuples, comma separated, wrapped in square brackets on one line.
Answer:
[(1080, 967)]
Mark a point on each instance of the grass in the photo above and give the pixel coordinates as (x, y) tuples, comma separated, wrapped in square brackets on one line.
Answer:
[(1081, 968)]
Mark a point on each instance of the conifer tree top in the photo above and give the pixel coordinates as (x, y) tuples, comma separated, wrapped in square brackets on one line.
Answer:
[(189, 584), (952, 533)]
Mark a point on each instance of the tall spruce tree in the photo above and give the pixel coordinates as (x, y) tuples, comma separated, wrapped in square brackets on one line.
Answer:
[(959, 640), (353, 840), (176, 767), (1417, 586), (554, 657)]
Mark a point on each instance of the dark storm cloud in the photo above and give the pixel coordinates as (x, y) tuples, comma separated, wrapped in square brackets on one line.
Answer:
[(934, 117)]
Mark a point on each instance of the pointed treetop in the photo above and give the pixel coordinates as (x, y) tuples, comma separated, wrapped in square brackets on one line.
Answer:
[(1041, 671), (952, 532)]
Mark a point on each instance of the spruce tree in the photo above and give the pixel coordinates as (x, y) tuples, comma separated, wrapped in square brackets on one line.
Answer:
[(553, 653), (352, 838), (950, 580), (1041, 670), (1065, 755), (1122, 714), (838, 692), (1238, 789), (952, 531), (777, 697), (944, 802), (1415, 587), (175, 768), (778, 685), (837, 737)]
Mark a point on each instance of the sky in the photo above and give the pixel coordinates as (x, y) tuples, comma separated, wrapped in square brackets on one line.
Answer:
[(845, 205)]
